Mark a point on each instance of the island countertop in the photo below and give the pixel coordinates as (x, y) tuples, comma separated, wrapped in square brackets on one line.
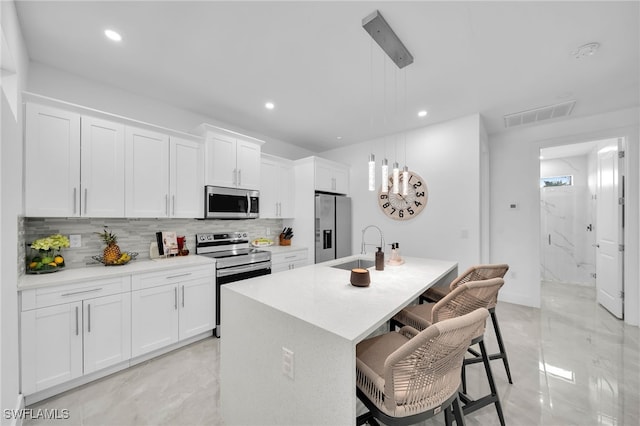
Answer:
[(323, 296)]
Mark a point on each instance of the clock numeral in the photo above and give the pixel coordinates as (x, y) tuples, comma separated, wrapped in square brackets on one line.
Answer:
[(417, 184), (419, 194), (383, 196), (385, 205), (417, 203), (410, 210), (393, 210), (401, 213)]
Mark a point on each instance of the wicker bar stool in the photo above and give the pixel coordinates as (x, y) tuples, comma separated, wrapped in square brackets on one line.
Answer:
[(477, 273), (408, 376), (463, 299)]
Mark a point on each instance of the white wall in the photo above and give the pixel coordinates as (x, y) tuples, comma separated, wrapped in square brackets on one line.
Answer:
[(514, 178), (11, 202), (447, 156), (47, 81)]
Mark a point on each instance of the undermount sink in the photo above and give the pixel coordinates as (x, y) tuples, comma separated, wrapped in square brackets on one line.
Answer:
[(356, 263)]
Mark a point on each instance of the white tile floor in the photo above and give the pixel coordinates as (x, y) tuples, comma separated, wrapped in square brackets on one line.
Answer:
[(572, 364)]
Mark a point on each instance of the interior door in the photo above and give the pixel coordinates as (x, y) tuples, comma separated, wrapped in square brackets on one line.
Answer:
[(608, 230)]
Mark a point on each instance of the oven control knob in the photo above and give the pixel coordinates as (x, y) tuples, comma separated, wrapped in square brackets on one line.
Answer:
[(210, 237), (244, 234)]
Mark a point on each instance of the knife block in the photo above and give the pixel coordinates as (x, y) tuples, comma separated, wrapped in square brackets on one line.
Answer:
[(284, 242)]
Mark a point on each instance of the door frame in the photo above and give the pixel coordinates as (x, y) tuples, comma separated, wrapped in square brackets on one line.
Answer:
[(627, 231)]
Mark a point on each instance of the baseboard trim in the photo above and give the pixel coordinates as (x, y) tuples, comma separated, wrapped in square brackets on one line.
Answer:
[(16, 419)]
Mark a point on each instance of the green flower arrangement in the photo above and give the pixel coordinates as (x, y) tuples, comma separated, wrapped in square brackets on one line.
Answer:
[(52, 242), (46, 259)]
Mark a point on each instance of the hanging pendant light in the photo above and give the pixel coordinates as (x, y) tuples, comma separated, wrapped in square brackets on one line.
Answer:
[(396, 178), (372, 172), (405, 180), (385, 176)]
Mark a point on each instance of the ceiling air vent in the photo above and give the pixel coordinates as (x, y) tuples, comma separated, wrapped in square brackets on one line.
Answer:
[(538, 114)]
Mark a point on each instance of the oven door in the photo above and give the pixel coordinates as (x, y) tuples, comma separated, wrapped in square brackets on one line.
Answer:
[(231, 203), (237, 273)]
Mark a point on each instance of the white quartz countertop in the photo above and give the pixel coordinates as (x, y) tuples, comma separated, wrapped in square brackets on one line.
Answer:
[(323, 296), (98, 271)]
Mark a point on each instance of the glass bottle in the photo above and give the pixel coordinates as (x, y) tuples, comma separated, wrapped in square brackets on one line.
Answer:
[(379, 260)]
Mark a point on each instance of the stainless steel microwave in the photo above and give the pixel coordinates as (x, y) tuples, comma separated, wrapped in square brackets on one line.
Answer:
[(230, 203)]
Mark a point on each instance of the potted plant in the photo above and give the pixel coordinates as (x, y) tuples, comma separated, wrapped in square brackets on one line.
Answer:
[(45, 254)]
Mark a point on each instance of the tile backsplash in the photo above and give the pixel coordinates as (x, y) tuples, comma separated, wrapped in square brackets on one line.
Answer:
[(134, 235)]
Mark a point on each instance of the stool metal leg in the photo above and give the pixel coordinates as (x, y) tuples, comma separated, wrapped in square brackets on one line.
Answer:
[(503, 352), (472, 405)]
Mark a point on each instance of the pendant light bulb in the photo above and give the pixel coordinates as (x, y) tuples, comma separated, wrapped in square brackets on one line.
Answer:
[(372, 172), (385, 176), (405, 181), (396, 178)]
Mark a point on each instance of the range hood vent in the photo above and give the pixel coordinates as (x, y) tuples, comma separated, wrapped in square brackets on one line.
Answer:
[(538, 114)]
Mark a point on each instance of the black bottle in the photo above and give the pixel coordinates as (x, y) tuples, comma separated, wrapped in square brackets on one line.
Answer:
[(379, 260)]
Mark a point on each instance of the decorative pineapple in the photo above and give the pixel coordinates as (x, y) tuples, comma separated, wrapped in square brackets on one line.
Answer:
[(111, 252)]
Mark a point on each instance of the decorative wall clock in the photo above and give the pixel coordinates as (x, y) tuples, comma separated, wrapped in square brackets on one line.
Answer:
[(404, 207)]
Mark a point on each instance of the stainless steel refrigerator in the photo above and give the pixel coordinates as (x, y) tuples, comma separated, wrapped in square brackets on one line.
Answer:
[(333, 227)]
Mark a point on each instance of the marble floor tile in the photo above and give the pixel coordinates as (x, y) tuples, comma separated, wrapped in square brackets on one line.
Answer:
[(572, 363)]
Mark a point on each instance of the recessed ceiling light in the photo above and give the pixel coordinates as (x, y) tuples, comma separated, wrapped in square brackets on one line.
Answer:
[(112, 35), (422, 113), (269, 105), (338, 137)]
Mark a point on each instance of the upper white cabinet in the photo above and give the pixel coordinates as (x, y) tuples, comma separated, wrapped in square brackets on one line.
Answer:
[(52, 162), (79, 165), (231, 159), (147, 173), (276, 187), (102, 168), (331, 176), (186, 178)]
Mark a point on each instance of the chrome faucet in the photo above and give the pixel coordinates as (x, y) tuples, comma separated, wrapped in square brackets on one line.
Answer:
[(363, 250)]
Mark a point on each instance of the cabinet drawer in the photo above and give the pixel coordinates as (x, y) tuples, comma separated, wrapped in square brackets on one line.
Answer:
[(289, 257), (50, 296), (155, 279)]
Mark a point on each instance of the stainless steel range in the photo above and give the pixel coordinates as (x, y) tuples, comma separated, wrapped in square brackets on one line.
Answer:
[(235, 260)]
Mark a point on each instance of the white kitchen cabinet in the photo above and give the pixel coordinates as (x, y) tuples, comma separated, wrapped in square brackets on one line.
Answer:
[(102, 168), (331, 177), (73, 330), (107, 331), (276, 188), (146, 173), (52, 162), (287, 259), (186, 178), (231, 159), (51, 346), (168, 307)]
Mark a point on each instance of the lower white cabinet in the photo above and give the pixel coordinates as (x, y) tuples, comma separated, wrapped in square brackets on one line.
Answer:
[(62, 340), (168, 307), (289, 259)]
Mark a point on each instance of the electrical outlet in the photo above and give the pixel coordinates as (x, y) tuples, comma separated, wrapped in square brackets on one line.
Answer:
[(287, 362), (268, 231), (75, 241)]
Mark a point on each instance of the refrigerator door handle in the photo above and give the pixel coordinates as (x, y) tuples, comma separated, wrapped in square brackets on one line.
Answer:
[(326, 239)]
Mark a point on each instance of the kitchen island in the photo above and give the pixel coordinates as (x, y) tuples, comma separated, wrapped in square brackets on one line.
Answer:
[(288, 349)]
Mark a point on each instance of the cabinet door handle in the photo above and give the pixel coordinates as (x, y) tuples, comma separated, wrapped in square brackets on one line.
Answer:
[(166, 204), (173, 204), (81, 292), (77, 331), (293, 256), (89, 318), (183, 296), (175, 298), (235, 176), (74, 200), (85, 200), (239, 177), (179, 275)]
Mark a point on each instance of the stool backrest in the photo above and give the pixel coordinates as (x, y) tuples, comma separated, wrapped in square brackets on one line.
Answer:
[(466, 298), (480, 273), (426, 371)]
